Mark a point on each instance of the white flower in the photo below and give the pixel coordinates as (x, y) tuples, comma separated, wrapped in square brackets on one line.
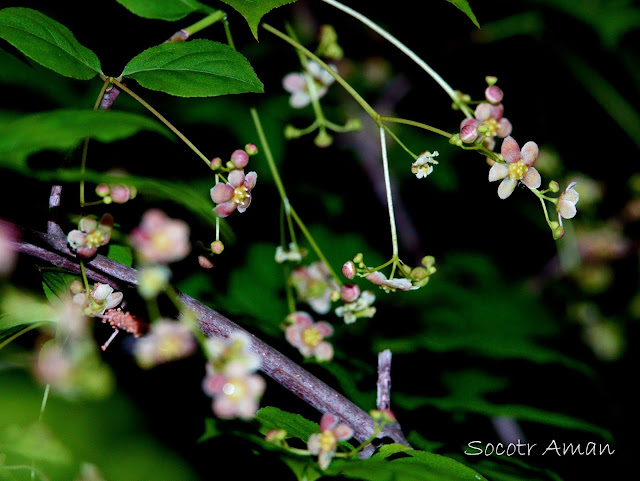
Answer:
[(567, 203), (361, 307), (292, 255), (422, 166), (296, 84)]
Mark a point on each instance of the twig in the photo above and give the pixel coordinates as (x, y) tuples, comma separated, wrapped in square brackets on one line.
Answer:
[(383, 398), (274, 364)]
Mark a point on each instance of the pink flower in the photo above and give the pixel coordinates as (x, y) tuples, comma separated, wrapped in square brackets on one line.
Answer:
[(8, 255), (567, 203), (166, 341), (90, 235), (233, 357), (324, 444), (102, 297), (236, 194), (487, 124), (296, 84), (379, 279), (314, 285), (519, 167), (308, 336), (161, 239)]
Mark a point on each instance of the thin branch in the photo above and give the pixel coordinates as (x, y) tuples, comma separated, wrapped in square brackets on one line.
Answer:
[(383, 399), (274, 364)]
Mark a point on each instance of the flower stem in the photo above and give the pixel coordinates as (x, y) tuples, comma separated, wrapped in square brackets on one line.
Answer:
[(205, 22), (227, 32), (416, 124), (387, 186), (162, 119), (400, 143), (407, 51)]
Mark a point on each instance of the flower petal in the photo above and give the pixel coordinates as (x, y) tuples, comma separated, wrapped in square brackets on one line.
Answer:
[(76, 238), (342, 432), (510, 150), (506, 188), (101, 291), (225, 209), (323, 351), (504, 128), (244, 205), (497, 172), (483, 111), (314, 444), (250, 180), (324, 328), (294, 82), (532, 178), (236, 178), (88, 224), (221, 193), (530, 153), (567, 209), (299, 100), (328, 422)]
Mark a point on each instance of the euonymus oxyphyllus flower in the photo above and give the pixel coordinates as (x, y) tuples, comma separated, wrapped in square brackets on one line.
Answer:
[(567, 203), (314, 285), (296, 84), (325, 442), (90, 235), (232, 357), (388, 285), (166, 341), (100, 298), (308, 336), (236, 194), (487, 124), (152, 280), (161, 239), (358, 308), (423, 164), (519, 167)]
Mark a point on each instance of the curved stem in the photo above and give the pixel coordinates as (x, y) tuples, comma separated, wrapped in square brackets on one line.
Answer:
[(162, 119), (407, 51)]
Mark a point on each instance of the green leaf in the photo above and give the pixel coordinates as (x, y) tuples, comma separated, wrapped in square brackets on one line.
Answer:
[(304, 469), (165, 10), (295, 425), (48, 42), (211, 430), (19, 308), (34, 442), (64, 129), (199, 68), (253, 10), (121, 254), (463, 5), (56, 283)]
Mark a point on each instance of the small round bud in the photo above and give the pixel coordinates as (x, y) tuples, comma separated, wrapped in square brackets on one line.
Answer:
[(107, 199), (290, 132), (558, 233), (349, 292), (217, 247), (120, 194), (353, 124), (494, 94), (491, 80), (102, 190), (418, 273), (405, 269), (428, 261), (323, 139), (240, 159), (358, 258), (349, 270), (468, 133), (554, 186), (251, 149), (205, 262), (455, 140), (216, 163), (76, 287), (276, 436), (334, 295)]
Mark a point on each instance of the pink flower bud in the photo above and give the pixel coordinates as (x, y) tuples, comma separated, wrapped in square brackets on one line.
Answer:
[(120, 194), (240, 159), (349, 270), (251, 149), (494, 94), (216, 163), (349, 292), (217, 247), (102, 190), (205, 262), (469, 133)]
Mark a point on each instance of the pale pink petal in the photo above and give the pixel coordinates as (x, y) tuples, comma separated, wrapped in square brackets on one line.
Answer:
[(246, 409), (293, 335), (86, 252), (493, 94), (224, 408), (324, 459), (323, 351), (466, 122), (570, 194), (489, 143), (101, 291), (532, 178), (497, 172), (506, 188), (221, 193), (496, 111), (294, 82), (236, 178), (314, 444), (327, 422), (377, 278), (504, 128), (321, 305), (88, 224), (113, 300), (299, 100), (342, 432), (213, 385), (530, 153), (567, 209), (250, 180), (76, 238), (324, 328), (510, 151), (120, 194), (483, 111), (302, 319), (226, 209), (255, 385)]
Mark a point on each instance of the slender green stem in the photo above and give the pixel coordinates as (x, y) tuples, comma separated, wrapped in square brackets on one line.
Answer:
[(407, 51), (413, 123), (162, 119), (227, 32), (85, 147), (205, 22), (387, 186), (45, 398), (357, 97), (400, 143), (20, 333)]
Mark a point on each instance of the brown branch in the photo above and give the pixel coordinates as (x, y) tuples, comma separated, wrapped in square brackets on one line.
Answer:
[(383, 399), (274, 364)]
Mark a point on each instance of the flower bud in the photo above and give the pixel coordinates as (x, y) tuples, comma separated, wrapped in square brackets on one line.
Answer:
[(76, 287), (205, 262), (455, 140), (558, 232), (216, 163), (276, 436), (290, 132), (468, 133), (102, 190), (405, 269), (349, 270), (554, 186), (494, 94), (353, 124), (217, 247), (334, 296), (323, 139), (358, 258), (251, 149), (120, 194), (428, 261), (349, 292), (418, 273), (240, 159), (491, 80)]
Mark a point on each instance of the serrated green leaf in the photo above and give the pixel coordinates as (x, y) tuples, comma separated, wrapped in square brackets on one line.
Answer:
[(56, 283), (254, 10), (48, 42), (165, 10), (463, 5), (295, 425), (121, 254), (199, 68), (64, 129)]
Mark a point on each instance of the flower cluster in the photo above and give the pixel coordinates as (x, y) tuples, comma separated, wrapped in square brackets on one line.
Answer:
[(90, 235), (325, 443), (166, 341), (235, 194), (231, 380), (98, 300), (360, 307), (488, 121), (160, 239), (315, 286), (301, 93), (423, 165), (116, 193), (411, 278), (308, 336)]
